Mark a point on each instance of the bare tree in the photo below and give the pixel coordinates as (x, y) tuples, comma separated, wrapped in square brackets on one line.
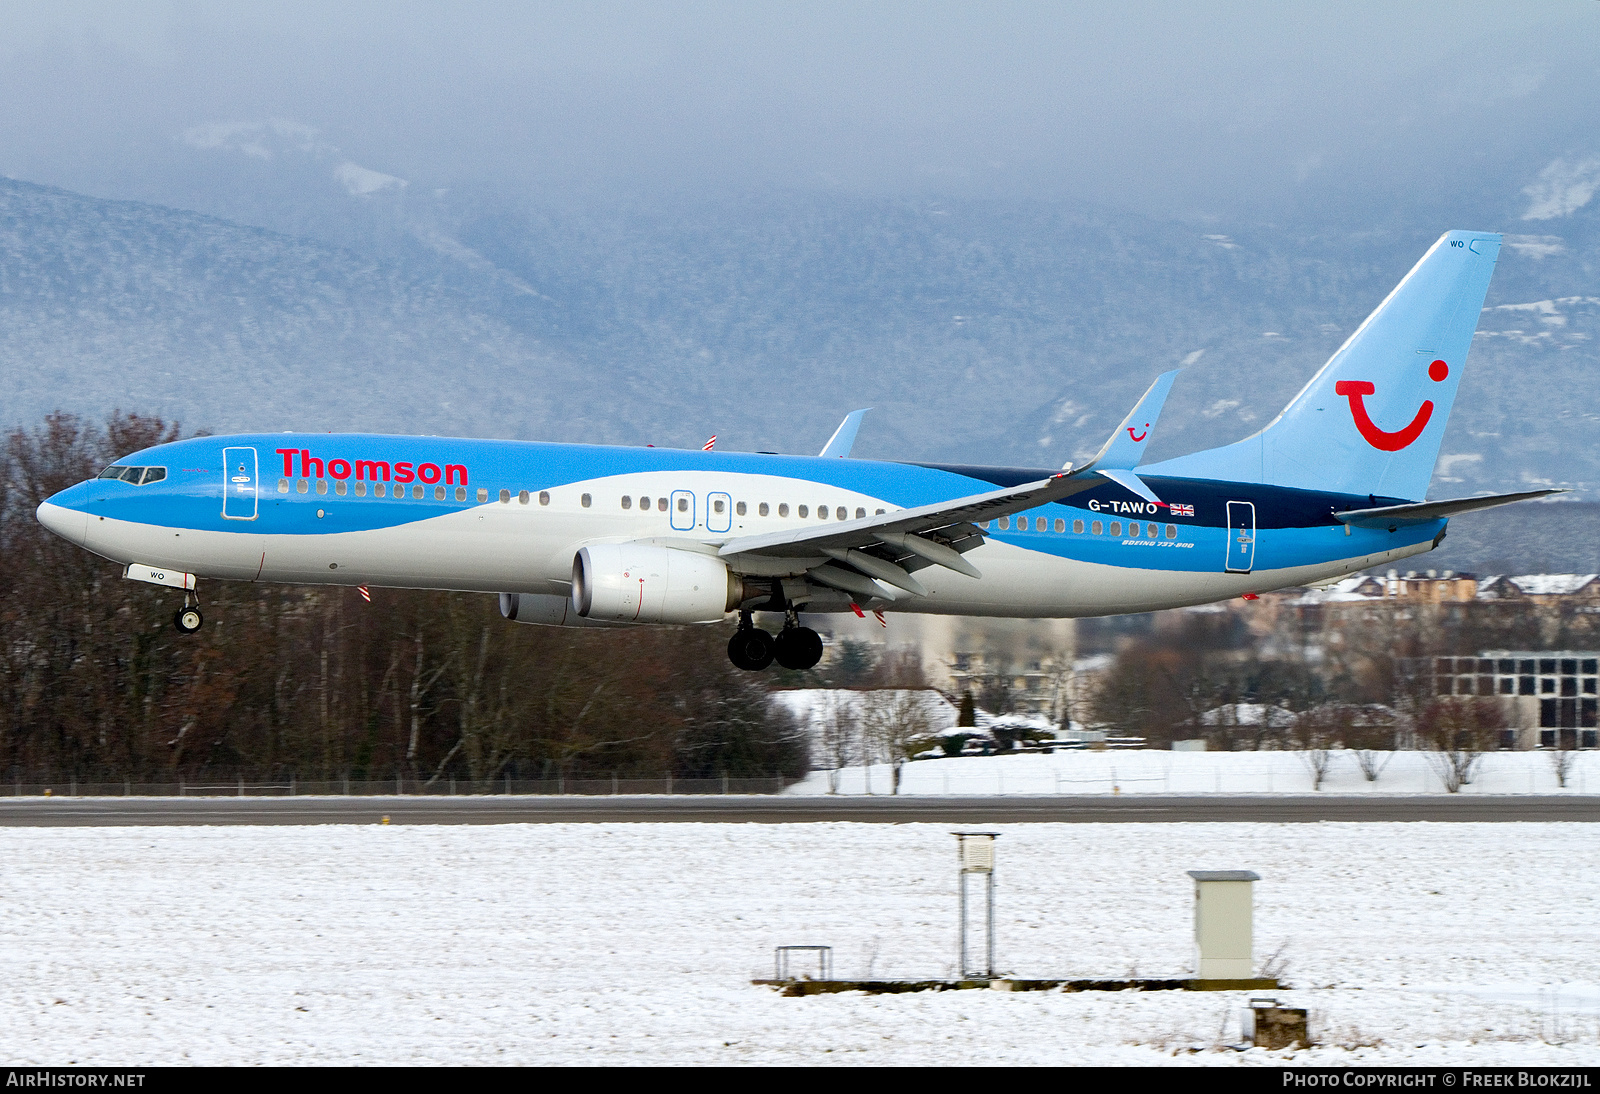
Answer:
[(837, 732), (1455, 734), (1562, 760), (898, 725), (1316, 733)]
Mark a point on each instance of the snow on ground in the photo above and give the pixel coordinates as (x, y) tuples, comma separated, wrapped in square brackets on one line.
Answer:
[(1149, 771), (1442, 944)]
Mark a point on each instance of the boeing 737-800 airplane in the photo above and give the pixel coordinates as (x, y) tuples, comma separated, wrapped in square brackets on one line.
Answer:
[(578, 535)]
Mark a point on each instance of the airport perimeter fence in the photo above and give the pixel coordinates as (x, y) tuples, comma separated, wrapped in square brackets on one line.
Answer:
[(444, 787)]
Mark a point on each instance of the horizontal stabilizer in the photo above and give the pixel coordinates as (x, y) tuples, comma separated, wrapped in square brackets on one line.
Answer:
[(844, 438), (1127, 445), (1422, 512)]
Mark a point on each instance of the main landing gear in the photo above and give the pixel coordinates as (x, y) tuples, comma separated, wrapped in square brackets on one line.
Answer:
[(188, 618), (753, 649)]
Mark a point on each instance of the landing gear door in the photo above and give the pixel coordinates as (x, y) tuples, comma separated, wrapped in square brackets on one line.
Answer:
[(682, 511), (239, 483), (1241, 537)]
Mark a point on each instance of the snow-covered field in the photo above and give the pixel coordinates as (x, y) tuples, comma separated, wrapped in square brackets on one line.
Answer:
[(634, 943), (1147, 771)]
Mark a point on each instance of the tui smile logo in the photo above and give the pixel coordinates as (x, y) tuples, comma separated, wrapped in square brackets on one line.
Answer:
[(1357, 390), (1140, 436)]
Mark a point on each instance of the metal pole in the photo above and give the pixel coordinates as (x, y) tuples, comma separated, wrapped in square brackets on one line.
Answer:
[(989, 925), (963, 924)]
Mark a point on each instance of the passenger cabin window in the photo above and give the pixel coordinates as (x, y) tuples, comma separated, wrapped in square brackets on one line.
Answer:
[(283, 486), (544, 497), (302, 486), (379, 490), (860, 513), (438, 493), (461, 493), (783, 509), (1116, 527), (416, 490), (762, 509), (1039, 524), (661, 504), (738, 508), (322, 486), (1098, 528), (1004, 523), (361, 489), (1077, 527), (627, 502), (505, 497), (1172, 531), (803, 511), (522, 497), (718, 506), (585, 500), (842, 513), (1061, 526), (339, 487), (483, 495), (683, 505)]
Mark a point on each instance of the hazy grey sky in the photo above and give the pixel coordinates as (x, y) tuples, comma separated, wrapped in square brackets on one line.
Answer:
[(1179, 108)]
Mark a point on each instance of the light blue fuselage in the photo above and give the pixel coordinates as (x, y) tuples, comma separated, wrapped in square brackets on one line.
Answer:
[(508, 517)]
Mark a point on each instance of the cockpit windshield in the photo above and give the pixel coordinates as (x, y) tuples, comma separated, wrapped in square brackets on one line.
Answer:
[(138, 476)]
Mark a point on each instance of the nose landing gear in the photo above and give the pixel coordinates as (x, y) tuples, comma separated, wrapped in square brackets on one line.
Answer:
[(188, 618)]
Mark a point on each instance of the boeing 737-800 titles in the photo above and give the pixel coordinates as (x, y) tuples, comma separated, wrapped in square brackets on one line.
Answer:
[(579, 535)]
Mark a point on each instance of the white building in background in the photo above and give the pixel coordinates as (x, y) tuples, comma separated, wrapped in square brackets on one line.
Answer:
[(1032, 659), (1551, 697)]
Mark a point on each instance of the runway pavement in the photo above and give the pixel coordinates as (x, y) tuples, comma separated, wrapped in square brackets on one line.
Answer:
[(515, 809)]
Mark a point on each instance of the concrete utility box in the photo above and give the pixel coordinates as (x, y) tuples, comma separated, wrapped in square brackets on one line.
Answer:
[(1223, 924), (1267, 1025)]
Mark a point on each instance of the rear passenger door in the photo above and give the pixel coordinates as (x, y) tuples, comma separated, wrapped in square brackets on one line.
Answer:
[(1241, 537)]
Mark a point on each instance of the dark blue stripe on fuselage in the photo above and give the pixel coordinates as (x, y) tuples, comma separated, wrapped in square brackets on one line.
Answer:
[(1276, 506)]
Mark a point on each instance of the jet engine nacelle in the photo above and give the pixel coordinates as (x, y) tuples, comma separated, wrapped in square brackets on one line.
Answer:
[(544, 610), (625, 583)]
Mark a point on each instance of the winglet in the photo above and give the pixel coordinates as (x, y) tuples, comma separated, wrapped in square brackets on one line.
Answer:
[(1126, 447), (844, 438)]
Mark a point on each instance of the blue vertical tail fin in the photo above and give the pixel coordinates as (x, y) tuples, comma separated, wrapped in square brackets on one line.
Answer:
[(1371, 420)]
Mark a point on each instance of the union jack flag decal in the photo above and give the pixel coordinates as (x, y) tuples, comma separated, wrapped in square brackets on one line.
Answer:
[(1181, 510)]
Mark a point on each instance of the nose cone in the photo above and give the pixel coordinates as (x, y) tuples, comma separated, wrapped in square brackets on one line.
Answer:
[(69, 524)]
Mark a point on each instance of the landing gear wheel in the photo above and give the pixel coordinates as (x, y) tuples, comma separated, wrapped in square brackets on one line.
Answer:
[(797, 648), (750, 649), (188, 619)]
